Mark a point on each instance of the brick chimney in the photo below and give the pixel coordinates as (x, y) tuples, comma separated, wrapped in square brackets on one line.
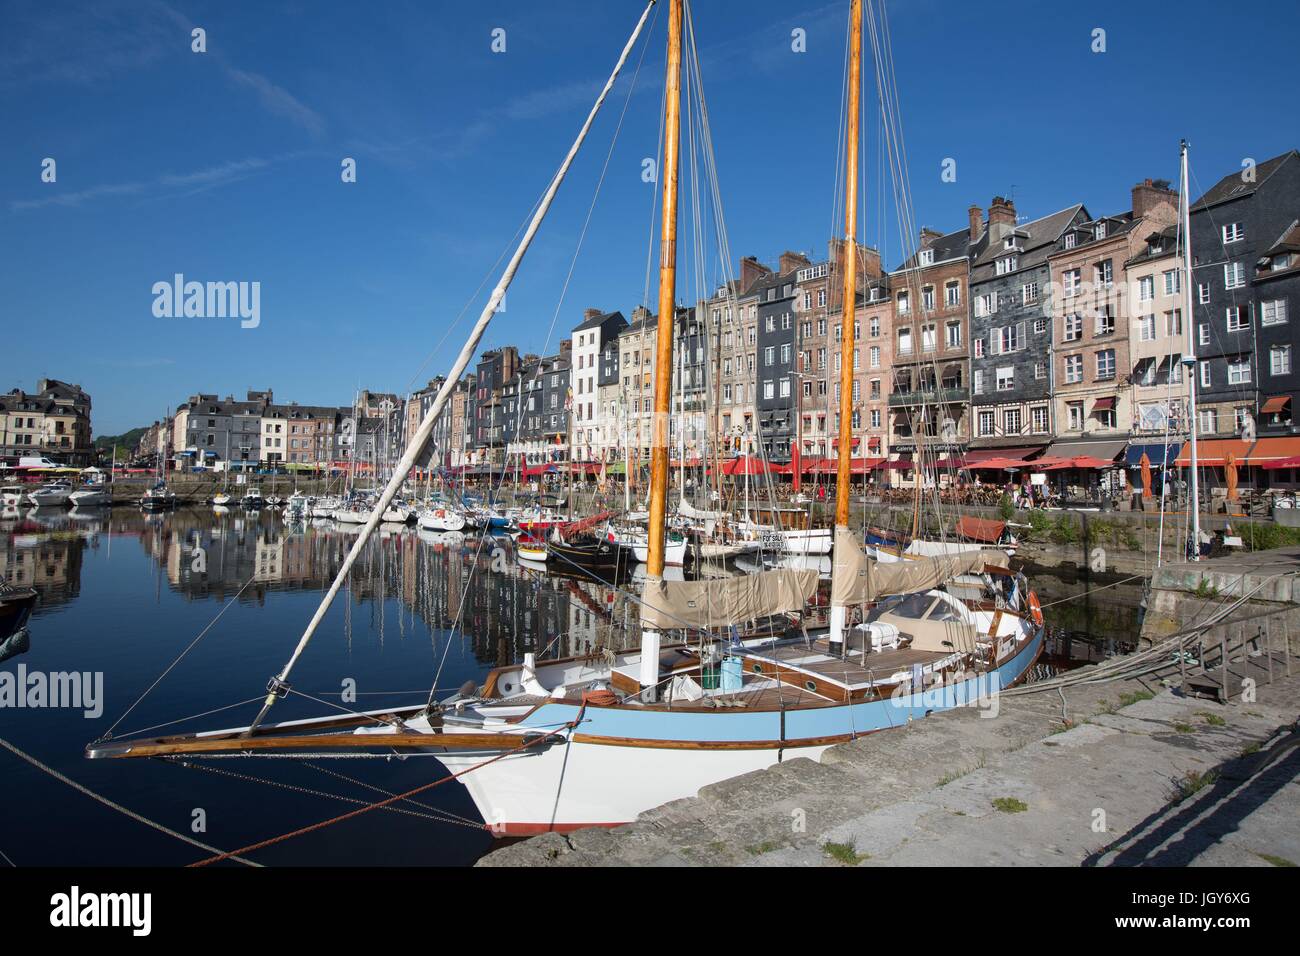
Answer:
[(1151, 194), (751, 270), (1002, 218), (792, 261), (928, 236), (589, 314), (976, 215)]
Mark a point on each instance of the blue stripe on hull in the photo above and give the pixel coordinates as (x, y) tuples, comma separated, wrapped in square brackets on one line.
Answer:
[(804, 723)]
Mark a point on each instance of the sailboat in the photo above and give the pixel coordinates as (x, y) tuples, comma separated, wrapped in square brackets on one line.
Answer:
[(561, 744)]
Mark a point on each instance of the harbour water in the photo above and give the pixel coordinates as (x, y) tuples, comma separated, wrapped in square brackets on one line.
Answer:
[(124, 594)]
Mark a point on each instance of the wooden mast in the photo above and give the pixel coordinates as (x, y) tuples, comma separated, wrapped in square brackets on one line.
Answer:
[(649, 669), (667, 295), (848, 309)]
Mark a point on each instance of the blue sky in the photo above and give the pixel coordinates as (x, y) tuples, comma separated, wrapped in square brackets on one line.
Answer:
[(225, 166)]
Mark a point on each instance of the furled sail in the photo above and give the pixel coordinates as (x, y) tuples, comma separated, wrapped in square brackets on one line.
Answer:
[(687, 510), (698, 604), (856, 578)]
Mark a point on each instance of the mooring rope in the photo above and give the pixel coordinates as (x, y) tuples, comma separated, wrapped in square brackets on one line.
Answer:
[(80, 788)]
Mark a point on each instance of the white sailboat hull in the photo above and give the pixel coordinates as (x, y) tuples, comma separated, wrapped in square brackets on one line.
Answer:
[(440, 519), (89, 498)]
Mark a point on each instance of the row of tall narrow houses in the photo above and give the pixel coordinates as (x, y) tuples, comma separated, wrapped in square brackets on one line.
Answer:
[(1011, 337), (52, 422)]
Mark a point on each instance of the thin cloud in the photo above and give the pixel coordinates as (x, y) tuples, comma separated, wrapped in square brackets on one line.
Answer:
[(207, 178), (277, 100)]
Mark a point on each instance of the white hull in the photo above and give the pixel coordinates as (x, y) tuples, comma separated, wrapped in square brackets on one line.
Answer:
[(807, 541), (89, 499), (348, 516), (567, 786), (440, 519), (48, 499)]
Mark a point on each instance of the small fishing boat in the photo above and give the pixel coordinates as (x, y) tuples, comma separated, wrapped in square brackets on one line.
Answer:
[(252, 499), (585, 550), (528, 548), (325, 507), (221, 499), (637, 542)]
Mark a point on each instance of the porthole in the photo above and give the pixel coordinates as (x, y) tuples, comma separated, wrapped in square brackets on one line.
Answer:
[(810, 685), (507, 687), (758, 668)]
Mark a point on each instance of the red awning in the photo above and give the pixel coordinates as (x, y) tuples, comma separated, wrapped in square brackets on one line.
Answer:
[(857, 466), (1276, 403), (1076, 461), (1282, 463), (1105, 404), (747, 465), (900, 464), (985, 530), (835, 442), (532, 471)]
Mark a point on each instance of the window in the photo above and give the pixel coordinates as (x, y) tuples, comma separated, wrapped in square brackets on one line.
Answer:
[(1234, 275), (1073, 328), (1099, 231), (1239, 370), (927, 257), (985, 305), (1040, 326), (1146, 328), (979, 381), (1038, 417), (1070, 240), (1008, 339), (1233, 232), (1074, 413), (1173, 283), (874, 325), (785, 388), (1105, 364), (1105, 321), (1104, 273), (1073, 369), (875, 388), (785, 353), (1072, 282), (1205, 374), (1203, 293), (767, 389), (726, 394), (952, 293), (1241, 415), (1146, 289), (954, 335), (1029, 293), (787, 323), (1005, 264), (1011, 421), (1040, 370), (904, 341), (904, 305), (874, 353), (821, 323), (821, 303), (769, 355), (986, 423), (875, 418), (1272, 312), (1006, 378), (927, 298), (978, 345), (1174, 322), (1203, 333), (1235, 319), (1209, 421), (929, 336), (1279, 360), (857, 363)]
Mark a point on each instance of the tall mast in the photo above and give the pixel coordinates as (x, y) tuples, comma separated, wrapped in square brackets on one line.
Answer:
[(848, 309), (667, 294), (1189, 360), (649, 675)]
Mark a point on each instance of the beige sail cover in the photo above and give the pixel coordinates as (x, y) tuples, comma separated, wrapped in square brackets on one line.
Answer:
[(669, 604), (856, 578)]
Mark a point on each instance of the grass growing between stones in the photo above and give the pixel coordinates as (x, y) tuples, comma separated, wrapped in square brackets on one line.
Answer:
[(1010, 805), (1214, 720), (1274, 860), (758, 849), (1193, 783), (845, 853), (1184, 728), (1132, 698)]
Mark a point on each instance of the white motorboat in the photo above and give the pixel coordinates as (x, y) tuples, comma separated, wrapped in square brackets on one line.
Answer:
[(52, 495), (90, 498), (11, 496), (325, 507)]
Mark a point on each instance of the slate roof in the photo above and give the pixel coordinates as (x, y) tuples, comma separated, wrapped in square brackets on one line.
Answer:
[(1231, 186)]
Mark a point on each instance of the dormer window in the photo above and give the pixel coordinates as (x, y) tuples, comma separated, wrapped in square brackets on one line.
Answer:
[(1009, 242), (1070, 240), (1006, 264), (1281, 262), (1099, 231), (927, 257)]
